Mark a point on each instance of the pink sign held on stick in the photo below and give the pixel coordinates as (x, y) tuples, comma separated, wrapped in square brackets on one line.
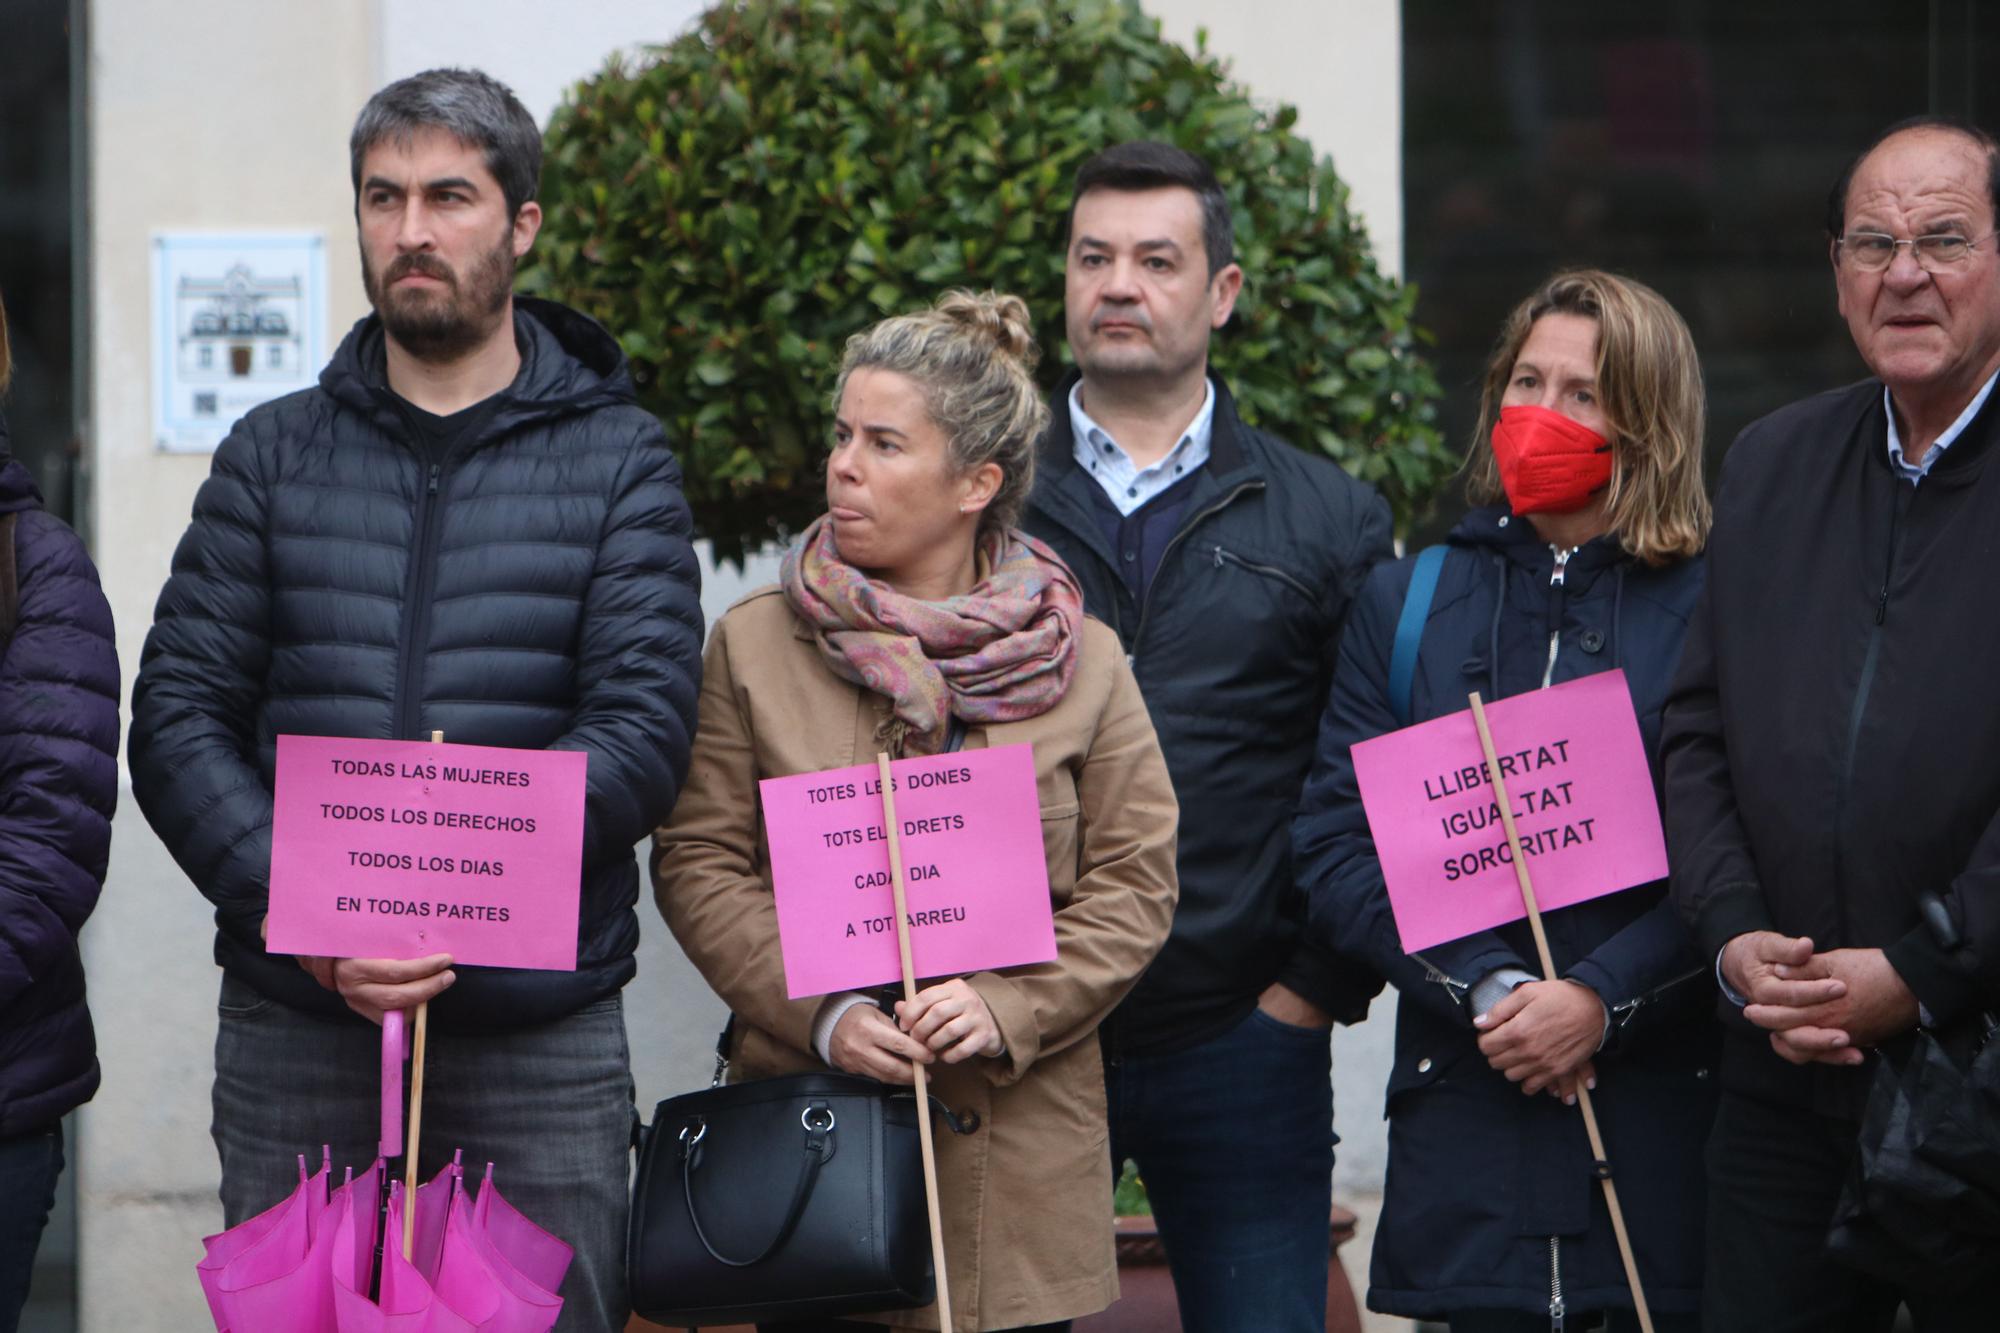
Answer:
[(1576, 770), (399, 849), (977, 876)]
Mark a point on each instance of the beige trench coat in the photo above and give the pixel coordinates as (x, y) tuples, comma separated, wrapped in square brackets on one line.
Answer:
[(1026, 1197)]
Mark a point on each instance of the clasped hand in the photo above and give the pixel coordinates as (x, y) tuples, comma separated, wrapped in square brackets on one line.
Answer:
[(1542, 1035), (1818, 1007), (948, 1021), (373, 986)]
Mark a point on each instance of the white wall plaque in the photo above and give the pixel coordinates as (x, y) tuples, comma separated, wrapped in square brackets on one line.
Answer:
[(238, 319)]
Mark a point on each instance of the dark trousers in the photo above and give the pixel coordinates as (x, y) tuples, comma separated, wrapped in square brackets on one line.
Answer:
[(1234, 1141), (1774, 1175), (853, 1326), (29, 1165)]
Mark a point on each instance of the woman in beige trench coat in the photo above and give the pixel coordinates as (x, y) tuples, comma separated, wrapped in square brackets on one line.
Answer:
[(964, 630)]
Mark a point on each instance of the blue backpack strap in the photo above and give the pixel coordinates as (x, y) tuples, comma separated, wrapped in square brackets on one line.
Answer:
[(1410, 630)]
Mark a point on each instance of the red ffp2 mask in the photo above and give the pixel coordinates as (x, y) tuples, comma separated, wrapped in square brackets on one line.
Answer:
[(1549, 464)]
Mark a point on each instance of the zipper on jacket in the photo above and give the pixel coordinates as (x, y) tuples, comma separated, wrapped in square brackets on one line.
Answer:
[(1146, 607), (417, 603), (1861, 691), (1454, 987), (1557, 1310), (1623, 1012), (1556, 575), (1223, 557)]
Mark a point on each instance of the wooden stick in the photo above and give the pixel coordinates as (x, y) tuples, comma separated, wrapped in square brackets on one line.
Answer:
[(416, 1129), (1549, 971), (416, 1109), (923, 1083)]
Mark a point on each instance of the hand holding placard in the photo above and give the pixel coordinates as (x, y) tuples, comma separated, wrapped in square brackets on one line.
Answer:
[(902, 909)]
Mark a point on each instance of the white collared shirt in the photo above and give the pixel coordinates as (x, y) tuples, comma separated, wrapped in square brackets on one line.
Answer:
[(1916, 472), (1128, 485)]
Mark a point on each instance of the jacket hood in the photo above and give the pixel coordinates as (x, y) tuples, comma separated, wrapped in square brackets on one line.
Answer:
[(17, 485), (569, 364), (1496, 528)]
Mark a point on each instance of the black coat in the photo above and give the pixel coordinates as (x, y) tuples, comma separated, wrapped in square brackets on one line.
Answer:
[(58, 787), (537, 589), (1233, 651), (1833, 742), (1486, 1186)]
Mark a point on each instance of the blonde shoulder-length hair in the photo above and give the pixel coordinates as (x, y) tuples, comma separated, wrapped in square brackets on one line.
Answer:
[(1649, 388)]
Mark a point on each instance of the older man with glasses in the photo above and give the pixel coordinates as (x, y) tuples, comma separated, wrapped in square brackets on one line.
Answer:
[(1833, 742)]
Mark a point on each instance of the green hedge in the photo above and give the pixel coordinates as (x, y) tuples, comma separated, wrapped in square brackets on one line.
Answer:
[(788, 171)]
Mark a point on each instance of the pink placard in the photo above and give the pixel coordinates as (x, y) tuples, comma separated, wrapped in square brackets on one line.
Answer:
[(1582, 794), (399, 849), (977, 878)]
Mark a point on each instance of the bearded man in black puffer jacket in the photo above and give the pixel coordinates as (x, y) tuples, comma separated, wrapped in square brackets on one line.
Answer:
[(468, 527)]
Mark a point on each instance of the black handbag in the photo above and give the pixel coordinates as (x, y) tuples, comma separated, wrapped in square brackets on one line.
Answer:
[(784, 1198), (1921, 1204)]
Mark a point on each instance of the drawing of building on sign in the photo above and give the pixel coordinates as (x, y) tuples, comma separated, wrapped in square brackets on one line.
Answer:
[(239, 326)]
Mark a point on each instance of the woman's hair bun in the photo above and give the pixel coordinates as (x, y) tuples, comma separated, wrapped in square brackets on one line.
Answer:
[(1000, 317)]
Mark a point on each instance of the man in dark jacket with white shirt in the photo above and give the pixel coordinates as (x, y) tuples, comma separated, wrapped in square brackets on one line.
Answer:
[(1225, 559), (467, 527), (1833, 792)]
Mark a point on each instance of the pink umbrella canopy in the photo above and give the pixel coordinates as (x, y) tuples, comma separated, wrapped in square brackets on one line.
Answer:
[(505, 1282), (260, 1275), (309, 1264)]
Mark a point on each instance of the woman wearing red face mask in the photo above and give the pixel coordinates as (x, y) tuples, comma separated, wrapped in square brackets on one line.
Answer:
[(1581, 554)]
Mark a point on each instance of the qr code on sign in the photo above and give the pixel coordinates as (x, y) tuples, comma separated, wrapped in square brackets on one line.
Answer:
[(204, 404)]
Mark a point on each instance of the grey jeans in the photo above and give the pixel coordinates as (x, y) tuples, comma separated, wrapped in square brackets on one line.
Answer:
[(551, 1107)]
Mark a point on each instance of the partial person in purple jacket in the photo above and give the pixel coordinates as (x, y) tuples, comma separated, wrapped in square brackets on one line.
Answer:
[(58, 785)]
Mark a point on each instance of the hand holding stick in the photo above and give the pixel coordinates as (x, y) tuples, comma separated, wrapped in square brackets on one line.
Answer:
[(422, 1030), (1549, 971), (922, 1082)]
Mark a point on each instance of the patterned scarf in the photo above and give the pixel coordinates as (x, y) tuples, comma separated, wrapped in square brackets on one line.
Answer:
[(1003, 651)]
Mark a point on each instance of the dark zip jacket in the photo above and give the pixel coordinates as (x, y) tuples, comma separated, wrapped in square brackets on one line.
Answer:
[(1833, 736), (1233, 650), (58, 787), (536, 588), (1491, 1201)]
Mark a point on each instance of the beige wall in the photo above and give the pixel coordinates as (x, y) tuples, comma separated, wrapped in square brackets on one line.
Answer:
[(1340, 62), (210, 114)]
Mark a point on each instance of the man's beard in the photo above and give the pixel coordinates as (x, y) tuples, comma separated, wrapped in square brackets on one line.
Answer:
[(441, 326)]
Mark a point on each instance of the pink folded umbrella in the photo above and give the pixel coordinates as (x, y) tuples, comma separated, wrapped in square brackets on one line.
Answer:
[(348, 1261)]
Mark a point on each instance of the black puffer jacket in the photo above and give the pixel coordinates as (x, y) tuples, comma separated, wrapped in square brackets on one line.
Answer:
[(537, 589), (1491, 1201), (58, 786), (1233, 650)]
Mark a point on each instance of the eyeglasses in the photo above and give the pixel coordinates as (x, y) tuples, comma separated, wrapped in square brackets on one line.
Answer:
[(1872, 251)]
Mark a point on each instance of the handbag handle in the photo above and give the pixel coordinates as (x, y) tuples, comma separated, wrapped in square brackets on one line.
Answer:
[(818, 1120)]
